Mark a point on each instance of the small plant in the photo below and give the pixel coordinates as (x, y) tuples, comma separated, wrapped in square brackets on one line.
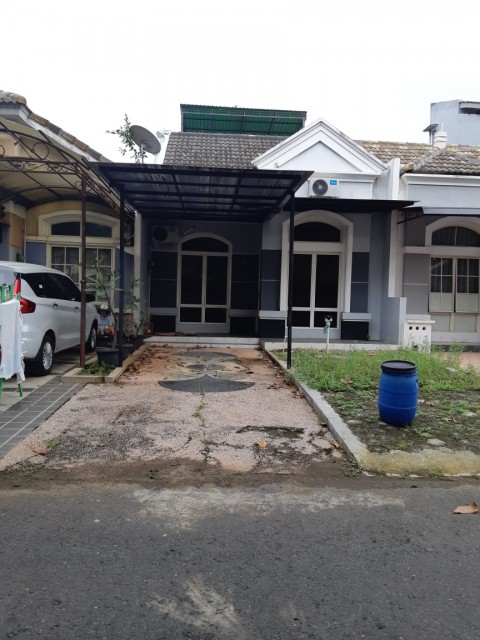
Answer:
[(128, 145), (97, 369), (52, 443)]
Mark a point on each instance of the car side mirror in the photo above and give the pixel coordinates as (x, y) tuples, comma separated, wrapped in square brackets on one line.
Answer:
[(90, 297)]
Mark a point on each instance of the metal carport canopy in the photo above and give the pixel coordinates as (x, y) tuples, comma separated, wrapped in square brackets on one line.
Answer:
[(199, 193)]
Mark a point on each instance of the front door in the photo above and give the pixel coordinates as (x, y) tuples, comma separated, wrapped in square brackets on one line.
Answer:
[(204, 287), (315, 289)]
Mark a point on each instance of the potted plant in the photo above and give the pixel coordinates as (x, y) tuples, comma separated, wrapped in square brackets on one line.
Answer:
[(134, 323)]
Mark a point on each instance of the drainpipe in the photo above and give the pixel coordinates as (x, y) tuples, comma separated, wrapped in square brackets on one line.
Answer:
[(290, 280)]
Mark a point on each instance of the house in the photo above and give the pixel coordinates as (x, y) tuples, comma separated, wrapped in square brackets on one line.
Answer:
[(254, 217), (42, 169), (363, 255)]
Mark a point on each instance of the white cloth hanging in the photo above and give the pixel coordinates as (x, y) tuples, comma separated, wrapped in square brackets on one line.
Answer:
[(11, 340)]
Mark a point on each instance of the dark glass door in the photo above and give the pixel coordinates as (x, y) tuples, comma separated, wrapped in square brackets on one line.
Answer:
[(204, 293), (315, 289)]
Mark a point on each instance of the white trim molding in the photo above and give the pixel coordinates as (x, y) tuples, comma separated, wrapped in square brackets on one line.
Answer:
[(322, 132)]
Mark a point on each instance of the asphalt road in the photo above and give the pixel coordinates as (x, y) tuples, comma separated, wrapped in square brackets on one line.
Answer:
[(275, 561)]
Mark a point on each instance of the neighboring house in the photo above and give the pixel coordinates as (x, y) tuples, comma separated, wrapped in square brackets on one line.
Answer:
[(41, 168), (460, 118)]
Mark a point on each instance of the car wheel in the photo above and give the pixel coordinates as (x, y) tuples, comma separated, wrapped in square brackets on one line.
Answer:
[(91, 342), (44, 360)]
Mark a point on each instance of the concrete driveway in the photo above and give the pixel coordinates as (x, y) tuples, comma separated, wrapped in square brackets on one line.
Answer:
[(225, 408)]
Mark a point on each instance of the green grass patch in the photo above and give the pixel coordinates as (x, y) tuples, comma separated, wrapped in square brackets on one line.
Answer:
[(97, 369), (448, 404), (355, 369)]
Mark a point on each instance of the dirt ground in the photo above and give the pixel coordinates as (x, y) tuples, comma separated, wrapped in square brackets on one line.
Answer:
[(224, 410), (452, 417)]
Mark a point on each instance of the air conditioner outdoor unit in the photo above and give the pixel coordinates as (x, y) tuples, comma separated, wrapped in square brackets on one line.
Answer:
[(164, 233), (323, 187)]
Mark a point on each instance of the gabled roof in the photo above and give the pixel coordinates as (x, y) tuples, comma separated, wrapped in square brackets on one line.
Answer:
[(454, 159), (224, 151), (297, 147), (14, 107)]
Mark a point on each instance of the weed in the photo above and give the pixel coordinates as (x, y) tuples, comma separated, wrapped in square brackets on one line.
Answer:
[(25, 470), (97, 369), (52, 443)]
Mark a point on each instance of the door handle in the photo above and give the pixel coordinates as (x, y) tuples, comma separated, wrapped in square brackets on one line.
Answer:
[(55, 305)]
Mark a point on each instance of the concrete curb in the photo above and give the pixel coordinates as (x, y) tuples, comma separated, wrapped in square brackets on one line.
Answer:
[(75, 375), (396, 463)]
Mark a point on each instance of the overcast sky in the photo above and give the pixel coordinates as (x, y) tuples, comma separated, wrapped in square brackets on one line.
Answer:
[(370, 68)]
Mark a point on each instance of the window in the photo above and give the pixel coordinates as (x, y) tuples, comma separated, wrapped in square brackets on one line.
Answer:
[(67, 259), (73, 229), (456, 237), (454, 285)]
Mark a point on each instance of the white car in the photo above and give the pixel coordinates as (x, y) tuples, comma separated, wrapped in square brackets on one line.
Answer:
[(50, 306)]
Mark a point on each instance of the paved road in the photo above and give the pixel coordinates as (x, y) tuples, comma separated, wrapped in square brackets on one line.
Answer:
[(273, 561)]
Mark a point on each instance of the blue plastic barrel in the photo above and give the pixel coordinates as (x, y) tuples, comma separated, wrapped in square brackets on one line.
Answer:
[(398, 392)]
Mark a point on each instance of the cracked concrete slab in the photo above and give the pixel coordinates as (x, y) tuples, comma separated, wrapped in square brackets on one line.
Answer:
[(247, 418)]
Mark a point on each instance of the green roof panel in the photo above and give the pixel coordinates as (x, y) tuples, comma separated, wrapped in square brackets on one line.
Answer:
[(265, 122)]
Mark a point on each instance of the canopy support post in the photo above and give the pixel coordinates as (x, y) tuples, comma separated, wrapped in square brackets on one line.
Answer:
[(290, 280)]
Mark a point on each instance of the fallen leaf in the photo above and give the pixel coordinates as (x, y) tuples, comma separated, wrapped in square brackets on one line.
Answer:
[(345, 380), (468, 508), (262, 443), (40, 449)]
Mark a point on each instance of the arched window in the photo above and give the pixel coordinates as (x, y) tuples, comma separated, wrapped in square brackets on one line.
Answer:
[(454, 275), (322, 260), (455, 237)]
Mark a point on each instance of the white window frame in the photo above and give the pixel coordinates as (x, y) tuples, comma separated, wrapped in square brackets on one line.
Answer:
[(343, 248), (203, 305)]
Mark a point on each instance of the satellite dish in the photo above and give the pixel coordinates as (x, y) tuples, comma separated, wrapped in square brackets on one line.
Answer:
[(145, 139)]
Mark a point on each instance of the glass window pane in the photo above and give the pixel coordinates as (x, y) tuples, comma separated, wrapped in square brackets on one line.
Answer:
[(462, 267), (435, 265), (447, 283), (190, 314), (317, 232), (326, 284), (301, 318), (65, 229), (205, 244), (473, 267), (72, 255), (217, 267), (445, 236), (467, 238), (191, 279), (435, 284), (58, 256), (302, 278), (105, 257), (319, 319), (215, 315), (98, 230), (462, 284), (447, 266)]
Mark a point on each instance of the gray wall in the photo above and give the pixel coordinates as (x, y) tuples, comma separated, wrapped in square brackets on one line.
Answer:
[(461, 128)]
